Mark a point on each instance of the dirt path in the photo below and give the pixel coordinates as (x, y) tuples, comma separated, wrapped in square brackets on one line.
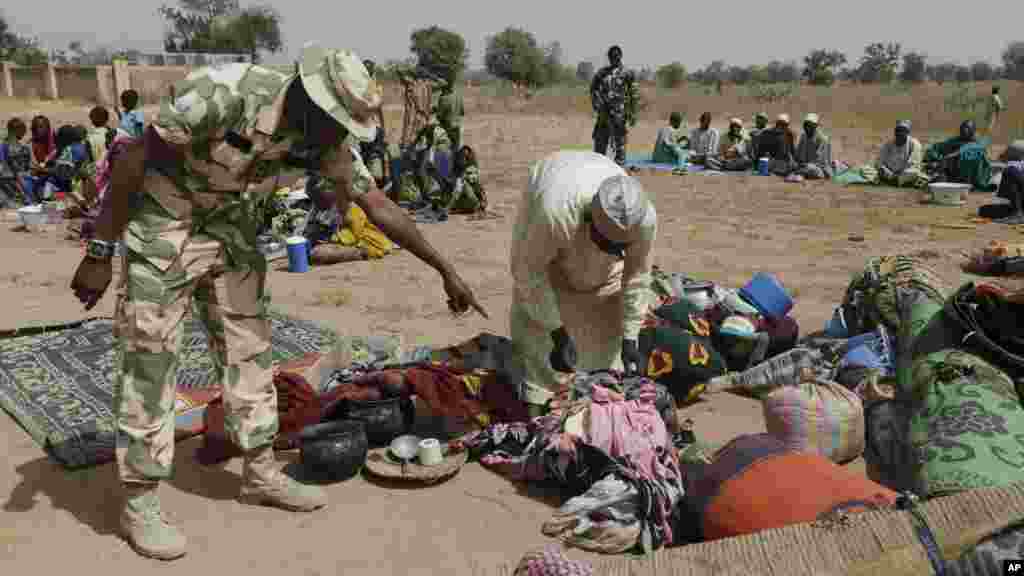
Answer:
[(716, 227)]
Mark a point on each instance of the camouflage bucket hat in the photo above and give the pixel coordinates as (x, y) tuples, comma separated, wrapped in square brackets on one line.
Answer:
[(338, 82)]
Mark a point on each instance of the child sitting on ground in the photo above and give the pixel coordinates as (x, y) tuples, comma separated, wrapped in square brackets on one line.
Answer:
[(132, 121), (101, 136), (462, 192), (15, 167)]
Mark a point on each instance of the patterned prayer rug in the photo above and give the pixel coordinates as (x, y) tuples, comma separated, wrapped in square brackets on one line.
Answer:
[(57, 382)]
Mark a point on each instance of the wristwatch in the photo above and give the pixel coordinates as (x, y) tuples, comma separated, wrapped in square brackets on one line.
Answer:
[(99, 249)]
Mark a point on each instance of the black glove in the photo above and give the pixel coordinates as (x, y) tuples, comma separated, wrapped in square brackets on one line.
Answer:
[(563, 356), (632, 360)]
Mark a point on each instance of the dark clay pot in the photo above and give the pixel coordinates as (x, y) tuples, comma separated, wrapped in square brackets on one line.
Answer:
[(385, 419), (333, 451)]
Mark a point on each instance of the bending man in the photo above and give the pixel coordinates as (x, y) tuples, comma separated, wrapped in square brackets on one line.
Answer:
[(181, 202), (581, 261)]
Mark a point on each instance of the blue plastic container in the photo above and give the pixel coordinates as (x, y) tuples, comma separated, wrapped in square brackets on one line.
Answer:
[(836, 327), (762, 167), (441, 161), (766, 293), (298, 254)]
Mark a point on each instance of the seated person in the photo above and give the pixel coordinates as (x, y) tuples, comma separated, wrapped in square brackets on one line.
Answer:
[(900, 162), (375, 152), (778, 144), (462, 192), (1012, 185), (760, 125), (66, 163), (672, 142), (15, 166), (420, 164), (814, 151), (703, 140), (961, 159), (733, 150)]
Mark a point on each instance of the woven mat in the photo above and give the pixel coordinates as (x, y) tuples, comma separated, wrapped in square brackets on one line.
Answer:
[(57, 381), (869, 544)]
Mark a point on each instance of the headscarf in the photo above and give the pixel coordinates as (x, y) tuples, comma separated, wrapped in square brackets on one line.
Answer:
[(44, 145), (619, 209)]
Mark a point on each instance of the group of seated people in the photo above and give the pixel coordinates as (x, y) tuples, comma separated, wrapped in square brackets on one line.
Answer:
[(809, 155), (63, 163)]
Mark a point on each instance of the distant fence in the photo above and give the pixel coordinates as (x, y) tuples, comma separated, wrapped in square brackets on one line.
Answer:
[(98, 84), (150, 74)]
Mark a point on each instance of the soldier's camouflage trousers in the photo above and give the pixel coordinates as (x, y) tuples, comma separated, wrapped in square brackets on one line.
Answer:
[(171, 261), (610, 131)]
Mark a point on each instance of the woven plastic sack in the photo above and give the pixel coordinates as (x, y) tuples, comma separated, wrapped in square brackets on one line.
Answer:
[(817, 416)]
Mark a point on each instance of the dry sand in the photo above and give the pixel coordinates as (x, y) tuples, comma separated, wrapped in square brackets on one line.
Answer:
[(721, 228)]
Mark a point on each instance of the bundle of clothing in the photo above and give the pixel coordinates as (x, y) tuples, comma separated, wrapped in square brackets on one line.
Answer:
[(611, 455)]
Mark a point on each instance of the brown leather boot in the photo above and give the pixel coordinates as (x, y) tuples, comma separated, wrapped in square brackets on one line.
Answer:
[(263, 483)]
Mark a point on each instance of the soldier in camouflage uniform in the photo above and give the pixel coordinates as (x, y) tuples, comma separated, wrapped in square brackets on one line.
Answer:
[(450, 112), (613, 95), (375, 152), (181, 201)]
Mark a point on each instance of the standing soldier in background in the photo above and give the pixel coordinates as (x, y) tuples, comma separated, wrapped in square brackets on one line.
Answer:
[(614, 95), (450, 112)]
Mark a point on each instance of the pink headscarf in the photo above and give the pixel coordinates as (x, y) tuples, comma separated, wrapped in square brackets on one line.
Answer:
[(104, 167)]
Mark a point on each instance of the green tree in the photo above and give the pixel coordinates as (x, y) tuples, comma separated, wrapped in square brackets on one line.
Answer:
[(879, 62), (440, 51), (1013, 61), (942, 73), (19, 49), (982, 72), (671, 75), (915, 68), (221, 27), (820, 67), (585, 71), (514, 55)]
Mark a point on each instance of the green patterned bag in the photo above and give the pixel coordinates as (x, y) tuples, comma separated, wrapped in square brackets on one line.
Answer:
[(871, 300), (968, 428)]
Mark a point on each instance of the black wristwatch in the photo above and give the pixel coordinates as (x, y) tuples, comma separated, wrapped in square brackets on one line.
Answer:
[(100, 250)]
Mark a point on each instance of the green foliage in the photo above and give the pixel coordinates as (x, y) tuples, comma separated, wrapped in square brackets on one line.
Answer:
[(19, 49), (440, 51), (820, 66), (879, 62), (963, 101), (671, 75), (1013, 61), (514, 55), (585, 71), (221, 27), (770, 93), (915, 68)]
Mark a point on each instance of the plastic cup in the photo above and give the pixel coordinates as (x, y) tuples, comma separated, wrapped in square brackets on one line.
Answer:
[(298, 254)]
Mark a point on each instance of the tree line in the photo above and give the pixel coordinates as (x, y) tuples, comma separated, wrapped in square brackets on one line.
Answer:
[(517, 56)]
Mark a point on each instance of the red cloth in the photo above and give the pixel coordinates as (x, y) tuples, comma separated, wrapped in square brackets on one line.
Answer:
[(297, 407)]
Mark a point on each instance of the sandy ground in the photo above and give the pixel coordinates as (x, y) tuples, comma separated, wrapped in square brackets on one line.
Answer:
[(715, 227)]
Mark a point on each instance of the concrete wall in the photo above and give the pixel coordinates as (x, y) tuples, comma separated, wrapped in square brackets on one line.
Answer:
[(96, 84)]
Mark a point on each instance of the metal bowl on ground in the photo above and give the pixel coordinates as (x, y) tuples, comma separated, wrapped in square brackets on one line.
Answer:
[(949, 193), (32, 216), (385, 419), (405, 447), (333, 451)]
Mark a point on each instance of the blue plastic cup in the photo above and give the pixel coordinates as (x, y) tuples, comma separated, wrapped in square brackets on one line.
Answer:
[(298, 254), (762, 166)]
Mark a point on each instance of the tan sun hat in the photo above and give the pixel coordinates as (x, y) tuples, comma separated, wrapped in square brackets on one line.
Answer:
[(619, 209), (338, 82)]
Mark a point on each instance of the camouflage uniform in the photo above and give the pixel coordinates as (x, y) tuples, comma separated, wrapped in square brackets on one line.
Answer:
[(450, 113), (192, 237), (612, 93)]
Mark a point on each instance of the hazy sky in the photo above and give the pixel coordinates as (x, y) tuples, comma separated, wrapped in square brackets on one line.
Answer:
[(651, 33)]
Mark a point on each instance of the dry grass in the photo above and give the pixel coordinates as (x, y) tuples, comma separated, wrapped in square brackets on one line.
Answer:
[(332, 298)]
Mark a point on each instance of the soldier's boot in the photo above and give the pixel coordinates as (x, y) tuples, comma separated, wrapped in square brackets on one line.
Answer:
[(263, 483), (144, 526)]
